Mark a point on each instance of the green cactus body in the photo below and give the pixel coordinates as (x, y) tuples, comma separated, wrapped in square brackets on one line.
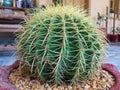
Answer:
[(61, 45)]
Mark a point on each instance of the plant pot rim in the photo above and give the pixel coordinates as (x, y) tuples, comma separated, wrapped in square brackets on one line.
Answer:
[(6, 70)]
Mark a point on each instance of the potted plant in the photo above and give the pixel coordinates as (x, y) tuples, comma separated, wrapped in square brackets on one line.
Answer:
[(112, 37), (61, 47)]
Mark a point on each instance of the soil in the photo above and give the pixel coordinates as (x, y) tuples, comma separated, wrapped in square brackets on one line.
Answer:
[(101, 81)]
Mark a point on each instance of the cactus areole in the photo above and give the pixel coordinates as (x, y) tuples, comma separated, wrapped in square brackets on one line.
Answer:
[(60, 45)]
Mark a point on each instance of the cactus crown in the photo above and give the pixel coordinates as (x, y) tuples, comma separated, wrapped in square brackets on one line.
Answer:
[(60, 45)]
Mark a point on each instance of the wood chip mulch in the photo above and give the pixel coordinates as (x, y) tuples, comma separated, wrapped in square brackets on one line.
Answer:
[(101, 81)]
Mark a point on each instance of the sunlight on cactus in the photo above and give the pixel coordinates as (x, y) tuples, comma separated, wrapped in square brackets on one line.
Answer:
[(60, 45)]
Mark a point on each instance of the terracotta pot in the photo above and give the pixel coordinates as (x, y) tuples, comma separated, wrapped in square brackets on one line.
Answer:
[(112, 37), (118, 37), (112, 69), (6, 85)]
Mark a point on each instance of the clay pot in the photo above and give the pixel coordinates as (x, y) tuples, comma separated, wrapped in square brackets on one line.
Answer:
[(112, 37), (6, 85), (118, 37)]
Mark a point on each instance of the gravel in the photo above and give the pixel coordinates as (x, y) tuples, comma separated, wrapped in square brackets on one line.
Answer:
[(101, 81)]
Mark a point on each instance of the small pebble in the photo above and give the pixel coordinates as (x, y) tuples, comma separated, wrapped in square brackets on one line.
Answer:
[(33, 81)]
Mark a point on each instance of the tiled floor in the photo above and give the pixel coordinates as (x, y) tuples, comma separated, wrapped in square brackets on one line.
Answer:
[(113, 56), (7, 57)]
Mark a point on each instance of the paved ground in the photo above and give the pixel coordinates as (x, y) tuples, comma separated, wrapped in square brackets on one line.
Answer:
[(113, 56), (7, 58)]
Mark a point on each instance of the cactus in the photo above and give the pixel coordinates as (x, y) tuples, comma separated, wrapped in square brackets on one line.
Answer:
[(61, 45)]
